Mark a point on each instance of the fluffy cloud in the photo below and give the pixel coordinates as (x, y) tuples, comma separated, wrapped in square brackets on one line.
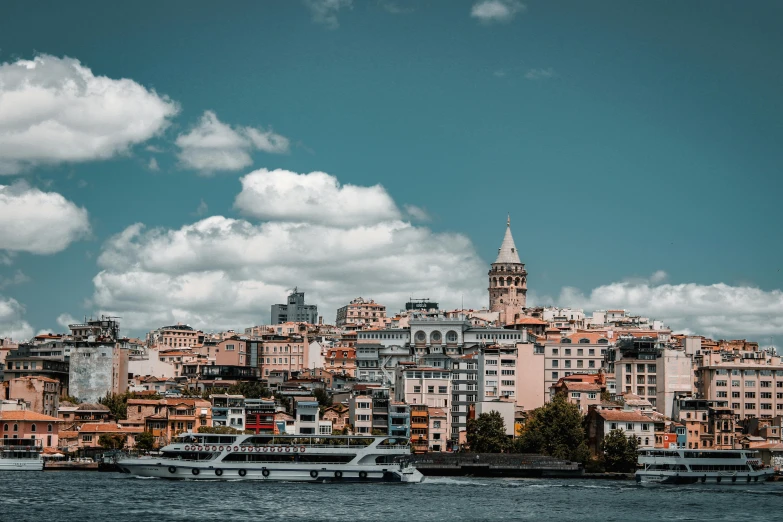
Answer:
[(12, 323), (490, 11), (716, 310), (324, 12), (220, 272), (317, 197), (55, 110), (213, 145), (38, 222), (540, 74), (66, 319)]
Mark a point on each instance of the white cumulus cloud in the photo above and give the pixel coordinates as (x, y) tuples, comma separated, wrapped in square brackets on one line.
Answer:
[(490, 11), (66, 319), (717, 310), (325, 12), (55, 110), (225, 273), (212, 145), (316, 197), (39, 222), (12, 323)]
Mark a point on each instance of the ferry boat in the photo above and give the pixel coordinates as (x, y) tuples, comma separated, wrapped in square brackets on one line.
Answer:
[(21, 455), (279, 457), (691, 466)]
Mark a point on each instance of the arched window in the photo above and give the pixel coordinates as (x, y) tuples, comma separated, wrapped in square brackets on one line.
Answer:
[(451, 336), (603, 341), (5, 427), (16, 427), (584, 341), (509, 280), (516, 281), (565, 341), (32, 427), (435, 337), (49, 427)]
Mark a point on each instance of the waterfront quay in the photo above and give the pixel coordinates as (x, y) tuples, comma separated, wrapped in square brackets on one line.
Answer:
[(495, 465)]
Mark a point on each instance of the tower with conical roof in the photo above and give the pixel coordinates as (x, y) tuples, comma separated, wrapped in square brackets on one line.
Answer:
[(507, 280)]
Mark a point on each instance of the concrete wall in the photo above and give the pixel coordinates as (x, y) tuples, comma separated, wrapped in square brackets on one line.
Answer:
[(96, 371)]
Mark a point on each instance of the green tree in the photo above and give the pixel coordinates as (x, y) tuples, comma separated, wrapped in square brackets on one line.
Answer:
[(117, 404), (619, 451), (112, 440), (555, 429), (145, 441), (487, 433), (324, 397), (251, 390)]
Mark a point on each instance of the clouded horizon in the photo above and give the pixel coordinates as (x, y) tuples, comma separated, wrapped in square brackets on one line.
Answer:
[(192, 162)]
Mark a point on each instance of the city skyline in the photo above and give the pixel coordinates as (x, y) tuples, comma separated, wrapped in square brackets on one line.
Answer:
[(199, 163)]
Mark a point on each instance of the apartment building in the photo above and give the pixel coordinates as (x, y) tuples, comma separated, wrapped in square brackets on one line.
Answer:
[(423, 385), (362, 313), (646, 367), (751, 382), (360, 416)]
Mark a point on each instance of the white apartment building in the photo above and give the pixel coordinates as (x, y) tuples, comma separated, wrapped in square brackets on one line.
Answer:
[(423, 385), (360, 414)]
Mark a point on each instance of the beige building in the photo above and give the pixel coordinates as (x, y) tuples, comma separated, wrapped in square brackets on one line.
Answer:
[(364, 313), (175, 336), (752, 382), (417, 385), (41, 394), (287, 354), (579, 353)]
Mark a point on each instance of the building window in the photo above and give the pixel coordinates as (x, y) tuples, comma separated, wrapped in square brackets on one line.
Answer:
[(555, 375), (32, 427), (442, 389), (591, 395), (49, 428), (417, 389), (86, 438)]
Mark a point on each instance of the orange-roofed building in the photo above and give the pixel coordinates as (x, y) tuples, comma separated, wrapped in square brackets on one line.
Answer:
[(340, 361), (600, 422), (90, 434), (25, 424), (582, 390)]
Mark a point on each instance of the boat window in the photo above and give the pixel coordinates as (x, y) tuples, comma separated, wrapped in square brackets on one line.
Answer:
[(394, 442), (289, 457)]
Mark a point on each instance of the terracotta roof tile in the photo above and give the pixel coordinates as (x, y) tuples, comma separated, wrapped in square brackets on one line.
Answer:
[(622, 416), (26, 415)]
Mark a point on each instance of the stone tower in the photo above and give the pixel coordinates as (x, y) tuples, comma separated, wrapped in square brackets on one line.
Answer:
[(507, 281)]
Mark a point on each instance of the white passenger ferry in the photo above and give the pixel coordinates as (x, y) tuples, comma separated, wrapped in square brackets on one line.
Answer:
[(691, 466), (279, 457), (21, 455)]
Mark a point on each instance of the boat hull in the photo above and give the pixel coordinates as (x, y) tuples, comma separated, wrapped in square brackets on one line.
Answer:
[(739, 479), (21, 464), (174, 469)]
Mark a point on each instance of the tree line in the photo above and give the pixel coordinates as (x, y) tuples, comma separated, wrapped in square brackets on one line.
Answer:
[(556, 429)]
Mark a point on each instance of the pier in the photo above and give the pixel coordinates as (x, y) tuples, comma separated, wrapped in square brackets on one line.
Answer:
[(494, 465)]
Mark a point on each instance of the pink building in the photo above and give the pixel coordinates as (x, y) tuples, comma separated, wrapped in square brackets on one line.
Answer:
[(439, 429), (286, 354), (25, 424), (90, 434), (42, 394)]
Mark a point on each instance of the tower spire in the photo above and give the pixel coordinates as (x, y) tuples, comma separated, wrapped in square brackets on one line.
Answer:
[(507, 253)]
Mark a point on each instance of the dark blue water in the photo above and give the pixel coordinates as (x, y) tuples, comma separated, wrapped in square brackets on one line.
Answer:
[(89, 496)]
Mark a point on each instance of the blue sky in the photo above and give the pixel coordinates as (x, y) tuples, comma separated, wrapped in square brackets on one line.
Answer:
[(635, 144)]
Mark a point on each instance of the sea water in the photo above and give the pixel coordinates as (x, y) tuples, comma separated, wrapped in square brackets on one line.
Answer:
[(113, 497)]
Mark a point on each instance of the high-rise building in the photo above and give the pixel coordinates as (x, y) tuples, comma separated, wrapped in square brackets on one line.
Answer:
[(507, 281), (295, 311)]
